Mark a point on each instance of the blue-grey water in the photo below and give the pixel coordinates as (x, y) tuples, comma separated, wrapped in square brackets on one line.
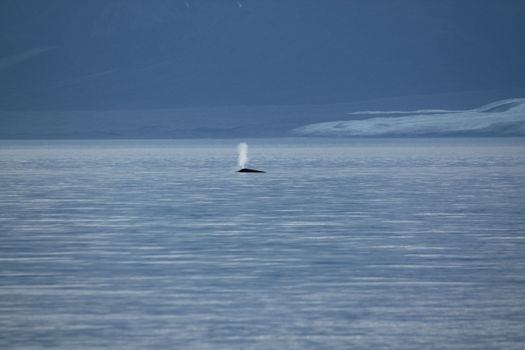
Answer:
[(363, 244)]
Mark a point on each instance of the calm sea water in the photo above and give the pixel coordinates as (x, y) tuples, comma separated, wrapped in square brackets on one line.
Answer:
[(367, 244)]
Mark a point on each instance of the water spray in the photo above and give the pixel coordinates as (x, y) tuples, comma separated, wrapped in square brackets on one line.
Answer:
[(243, 154), (243, 159)]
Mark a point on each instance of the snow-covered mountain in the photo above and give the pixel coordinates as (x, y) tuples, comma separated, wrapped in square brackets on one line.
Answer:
[(502, 118)]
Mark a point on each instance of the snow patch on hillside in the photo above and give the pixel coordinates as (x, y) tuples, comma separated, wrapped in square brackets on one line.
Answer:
[(502, 118)]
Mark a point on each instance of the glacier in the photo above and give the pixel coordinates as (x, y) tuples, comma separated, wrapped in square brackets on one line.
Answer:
[(501, 118)]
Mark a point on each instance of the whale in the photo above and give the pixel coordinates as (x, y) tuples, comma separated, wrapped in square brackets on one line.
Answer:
[(246, 170)]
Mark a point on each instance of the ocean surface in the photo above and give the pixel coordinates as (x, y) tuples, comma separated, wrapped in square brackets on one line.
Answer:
[(342, 244)]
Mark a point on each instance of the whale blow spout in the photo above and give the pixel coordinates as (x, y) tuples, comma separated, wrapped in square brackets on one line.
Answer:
[(243, 159), (246, 170)]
